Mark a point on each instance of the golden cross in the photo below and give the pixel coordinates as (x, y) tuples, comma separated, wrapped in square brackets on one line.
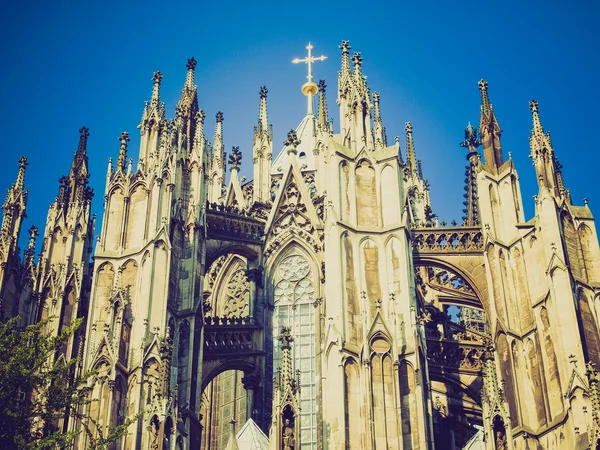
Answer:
[(310, 59)]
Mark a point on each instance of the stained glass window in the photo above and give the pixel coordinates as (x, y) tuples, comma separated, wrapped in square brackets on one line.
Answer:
[(294, 298)]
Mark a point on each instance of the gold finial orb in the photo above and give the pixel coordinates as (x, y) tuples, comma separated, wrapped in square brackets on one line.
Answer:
[(310, 88)]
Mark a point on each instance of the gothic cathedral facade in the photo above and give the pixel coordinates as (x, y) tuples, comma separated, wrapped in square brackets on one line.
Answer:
[(320, 305)]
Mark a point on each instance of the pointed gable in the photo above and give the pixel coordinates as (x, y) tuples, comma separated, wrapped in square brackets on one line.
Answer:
[(251, 437), (293, 206)]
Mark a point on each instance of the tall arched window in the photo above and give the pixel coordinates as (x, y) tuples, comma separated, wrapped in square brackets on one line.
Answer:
[(294, 298), (366, 195)]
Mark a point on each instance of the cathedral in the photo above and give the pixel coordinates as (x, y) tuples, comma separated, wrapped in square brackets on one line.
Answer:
[(321, 305)]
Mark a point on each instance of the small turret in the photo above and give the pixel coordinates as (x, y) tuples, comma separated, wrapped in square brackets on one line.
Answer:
[(416, 187), (151, 128), (378, 128), (357, 60), (345, 47), (489, 130), (323, 122), (354, 99), (29, 253), (14, 205), (122, 159), (547, 167), (217, 177), (199, 138), (156, 78), (411, 158), (79, 175), (263, 122), (262, 151)]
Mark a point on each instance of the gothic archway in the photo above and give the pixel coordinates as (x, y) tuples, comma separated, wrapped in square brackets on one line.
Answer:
[(456, 327)]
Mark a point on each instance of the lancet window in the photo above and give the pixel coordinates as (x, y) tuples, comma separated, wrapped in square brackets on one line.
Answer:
[(294, 298)]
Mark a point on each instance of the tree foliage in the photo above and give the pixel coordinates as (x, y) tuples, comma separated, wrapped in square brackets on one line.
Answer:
[(40, 389)]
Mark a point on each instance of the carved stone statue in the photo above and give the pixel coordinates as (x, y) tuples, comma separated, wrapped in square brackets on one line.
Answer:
[(288, 436), (501, 440)]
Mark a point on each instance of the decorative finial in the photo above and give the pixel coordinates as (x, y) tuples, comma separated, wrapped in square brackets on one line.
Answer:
[(485, 101), (533, 106), (292, 142), (235, 158), (23, 162), (33, 232), (471, 141), (200, 115), (345, 57), (345, 46), (124, 139), (83, 135), (191, 64), (157, 77), (322, 86), (219, 117), (285, 337), (263, 92), (357, 60)]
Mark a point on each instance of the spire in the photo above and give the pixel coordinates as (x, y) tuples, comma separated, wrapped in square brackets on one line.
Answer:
[(285, 368), (188, 102), (78, 174), (262, 151), (262, 111), (235, 159), (156, 78), (189, 80), (83, 135), (485, 101), (489, 130), (323, 119), (471, 211), (232, 443), (30, 251), (380, 139), (199, 136), (122, 160), (345, 47), (410, 147), (15, 203), (537, 124), (20, 182), (218, 146), (547, 167)]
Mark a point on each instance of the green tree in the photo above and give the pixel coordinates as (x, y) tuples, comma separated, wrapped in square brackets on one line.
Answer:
[(39, 389)]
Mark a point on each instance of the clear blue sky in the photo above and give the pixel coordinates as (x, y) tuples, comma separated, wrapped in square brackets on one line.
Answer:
[(68, 64)]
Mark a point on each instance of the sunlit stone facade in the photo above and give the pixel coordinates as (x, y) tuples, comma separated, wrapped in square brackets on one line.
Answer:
[(321, 302)]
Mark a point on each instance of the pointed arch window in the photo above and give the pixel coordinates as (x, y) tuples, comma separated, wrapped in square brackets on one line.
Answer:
[(294, 307)]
